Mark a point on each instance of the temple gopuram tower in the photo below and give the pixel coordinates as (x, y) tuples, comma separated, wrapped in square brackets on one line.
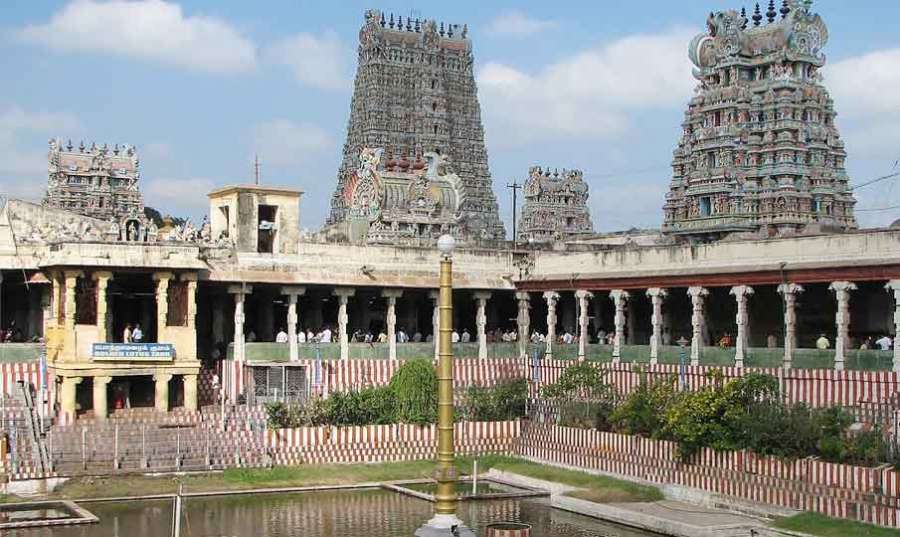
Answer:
[(100, 182), (760, 153), (555, 207), (415, 96)]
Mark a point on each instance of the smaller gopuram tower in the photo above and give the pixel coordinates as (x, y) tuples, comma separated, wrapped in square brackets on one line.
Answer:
[(759, 152), (555, 206), (100, 182)]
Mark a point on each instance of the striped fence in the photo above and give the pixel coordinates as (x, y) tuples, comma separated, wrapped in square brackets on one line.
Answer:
[(815, 387), (383, 443), (838, 490)]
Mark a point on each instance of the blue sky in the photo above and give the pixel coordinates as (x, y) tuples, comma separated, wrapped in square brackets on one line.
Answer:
[(201, 86)]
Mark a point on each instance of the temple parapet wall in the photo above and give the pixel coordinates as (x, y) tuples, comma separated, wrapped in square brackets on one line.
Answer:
[(389, 266), (864, 248)]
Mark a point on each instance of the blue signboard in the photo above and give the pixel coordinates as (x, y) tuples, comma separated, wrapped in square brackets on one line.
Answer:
[(133, 351)]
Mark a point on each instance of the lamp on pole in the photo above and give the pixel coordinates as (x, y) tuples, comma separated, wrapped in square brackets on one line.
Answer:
[(445, 521)]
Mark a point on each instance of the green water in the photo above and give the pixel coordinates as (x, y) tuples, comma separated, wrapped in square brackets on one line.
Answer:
[(369, 513)]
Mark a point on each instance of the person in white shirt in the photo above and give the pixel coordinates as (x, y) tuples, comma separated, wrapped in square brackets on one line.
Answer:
[(326, 335), (310, 337), (137, 335), (126, 334), (281, 336), (454, 337), (466, 336), (301, 337), (884, 343)]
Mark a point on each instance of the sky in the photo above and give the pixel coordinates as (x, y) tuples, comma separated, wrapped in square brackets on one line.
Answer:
[(202, 86)]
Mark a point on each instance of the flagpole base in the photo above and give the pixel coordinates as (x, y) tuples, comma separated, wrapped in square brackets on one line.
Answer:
[(444, 526)]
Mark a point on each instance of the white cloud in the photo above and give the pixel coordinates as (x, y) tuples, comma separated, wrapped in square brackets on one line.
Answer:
[(317, 61), (153, 30), (869, 111), (23, 167), (282, 143), (866, 85), (185, 195), (591, 93), (518, 24)]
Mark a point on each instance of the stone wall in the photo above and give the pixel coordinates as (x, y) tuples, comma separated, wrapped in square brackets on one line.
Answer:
[(838, 490)]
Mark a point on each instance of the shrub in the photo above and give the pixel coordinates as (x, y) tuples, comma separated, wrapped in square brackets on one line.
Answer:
[(592, 414), (582, 380), (501, 402), (364, 407), (783, 431), (642, 412), (414, 388), (285, 416), (716, 416)]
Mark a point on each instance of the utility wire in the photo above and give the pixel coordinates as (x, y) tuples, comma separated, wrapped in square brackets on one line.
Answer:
[(876, 180)]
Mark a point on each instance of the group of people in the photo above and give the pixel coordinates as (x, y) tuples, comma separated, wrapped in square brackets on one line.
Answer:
[(324, 335), (884, 343), (132, 334)]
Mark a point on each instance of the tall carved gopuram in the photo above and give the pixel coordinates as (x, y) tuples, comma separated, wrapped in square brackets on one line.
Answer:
[(414, 103), (760, 153), (555, 207)]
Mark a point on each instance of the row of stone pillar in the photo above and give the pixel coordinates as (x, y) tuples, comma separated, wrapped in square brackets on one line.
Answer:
[(343, 294), (100, 393), (697, 294)]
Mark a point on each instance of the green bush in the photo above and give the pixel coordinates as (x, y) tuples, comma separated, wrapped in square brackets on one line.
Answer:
[(642, 412), (582, 380), (363, 407), (782, 431), (414, 388), (716, 415), (286, 416), (500, 402), (591, 414)]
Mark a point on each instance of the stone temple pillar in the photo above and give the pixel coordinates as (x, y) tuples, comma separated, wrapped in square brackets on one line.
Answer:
[(657, 295), (741, 294), (67, 396), (584, 303), (162, 303), (789, 291), (698, 296), (391, 319), (162, 391), (101, 405), (552, 297), (481, 299), (435, 321), (620, 301), (102, 278), (343, 319), (842, 320), (190, 392), (893, 286), (239, 292), (524, 321), (292, 293)]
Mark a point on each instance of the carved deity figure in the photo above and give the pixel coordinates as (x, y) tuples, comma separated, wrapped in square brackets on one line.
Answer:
[(363, 189)]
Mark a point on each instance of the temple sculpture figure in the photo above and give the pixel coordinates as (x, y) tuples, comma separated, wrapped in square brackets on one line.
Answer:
[(389, 203), (414, 96), (760, 154), (555, 206)]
